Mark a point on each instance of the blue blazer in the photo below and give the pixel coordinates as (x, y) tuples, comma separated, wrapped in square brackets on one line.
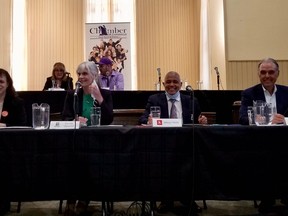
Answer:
[(161, 100), (256, 93)]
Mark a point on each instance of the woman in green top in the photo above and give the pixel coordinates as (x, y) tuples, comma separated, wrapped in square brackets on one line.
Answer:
[(78, 103)]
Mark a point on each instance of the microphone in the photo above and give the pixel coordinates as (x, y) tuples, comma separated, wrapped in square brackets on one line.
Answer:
[(159, 74), (189, 88), (159, 79), (78, 85), (218, 79), (216, 69)]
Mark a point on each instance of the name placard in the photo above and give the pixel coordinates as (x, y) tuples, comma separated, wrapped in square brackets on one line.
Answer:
[(56, 89), (166, 122), (64, 125)]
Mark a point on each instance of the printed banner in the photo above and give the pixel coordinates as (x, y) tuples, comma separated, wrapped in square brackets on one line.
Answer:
[(113, 41)]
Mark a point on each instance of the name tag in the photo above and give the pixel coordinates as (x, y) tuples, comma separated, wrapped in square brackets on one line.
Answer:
[(166, 122), (64, 125)]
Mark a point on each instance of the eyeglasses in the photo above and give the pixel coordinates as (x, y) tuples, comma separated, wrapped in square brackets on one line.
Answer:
[(270, 72)]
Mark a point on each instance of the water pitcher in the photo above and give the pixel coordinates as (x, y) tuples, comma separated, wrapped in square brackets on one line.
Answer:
[(40, 116)]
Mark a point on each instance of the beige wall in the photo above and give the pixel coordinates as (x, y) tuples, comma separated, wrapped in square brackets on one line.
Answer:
[(252, 34), (5, 23), (167, 38), (55, 33)]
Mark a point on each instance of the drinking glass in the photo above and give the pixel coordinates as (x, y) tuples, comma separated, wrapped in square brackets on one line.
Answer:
[(95, 116), (250, 113), (155, 111), (270, 112)]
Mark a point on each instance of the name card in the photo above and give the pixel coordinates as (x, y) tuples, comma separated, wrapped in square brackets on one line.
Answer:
[(166, 122), (64, 125), (56, 89)]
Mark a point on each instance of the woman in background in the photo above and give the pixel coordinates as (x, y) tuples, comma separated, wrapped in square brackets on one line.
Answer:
[(60, 78)]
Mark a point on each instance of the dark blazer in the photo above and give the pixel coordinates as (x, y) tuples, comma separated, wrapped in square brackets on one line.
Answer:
[(13, 112), (161, 100), (256, 93), (65, 84), (68, 113)]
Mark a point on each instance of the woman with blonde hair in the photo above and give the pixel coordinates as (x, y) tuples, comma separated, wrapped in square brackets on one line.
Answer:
[(60, 78)]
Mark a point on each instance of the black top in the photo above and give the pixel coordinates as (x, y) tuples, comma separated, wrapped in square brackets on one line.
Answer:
[(13, 112), (65, 84)]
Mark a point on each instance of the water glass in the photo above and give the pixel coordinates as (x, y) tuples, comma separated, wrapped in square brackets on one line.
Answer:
[(271, 111), (95, 116), (155, 111), (250, 113)]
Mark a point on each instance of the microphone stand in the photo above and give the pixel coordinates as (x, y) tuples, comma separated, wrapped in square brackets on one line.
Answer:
[(68, 80), (193, 153), (76, 109), (218, 81), (159, 79)]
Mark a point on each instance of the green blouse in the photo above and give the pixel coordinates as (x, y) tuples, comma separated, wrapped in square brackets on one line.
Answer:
[(87, 104)]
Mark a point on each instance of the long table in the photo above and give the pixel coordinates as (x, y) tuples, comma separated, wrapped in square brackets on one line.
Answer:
[(144, 163)]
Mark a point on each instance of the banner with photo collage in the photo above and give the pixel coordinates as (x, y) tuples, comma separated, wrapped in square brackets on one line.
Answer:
[(113, 41)]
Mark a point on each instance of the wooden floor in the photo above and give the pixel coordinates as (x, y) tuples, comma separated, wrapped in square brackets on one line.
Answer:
[(215, 208)]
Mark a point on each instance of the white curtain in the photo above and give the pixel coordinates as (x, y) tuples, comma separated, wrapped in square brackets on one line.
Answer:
[(204, 82), (19, 45)]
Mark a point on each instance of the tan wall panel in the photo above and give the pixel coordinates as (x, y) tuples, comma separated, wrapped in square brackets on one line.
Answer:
[(251, 33), (168, 38), (55, 33), (5, 39)]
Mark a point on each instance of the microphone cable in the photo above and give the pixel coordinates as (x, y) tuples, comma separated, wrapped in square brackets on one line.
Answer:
[(190, 89)]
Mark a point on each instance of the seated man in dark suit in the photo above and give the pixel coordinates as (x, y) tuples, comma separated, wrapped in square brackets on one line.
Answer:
[(277, 95), (266, 90), (172, 84)]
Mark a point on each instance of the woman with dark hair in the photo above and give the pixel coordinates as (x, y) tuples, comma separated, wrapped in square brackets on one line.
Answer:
[(12, 108), (12, 113), (60, 78)]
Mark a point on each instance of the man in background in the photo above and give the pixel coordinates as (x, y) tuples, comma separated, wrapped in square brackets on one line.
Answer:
[(109, 78)]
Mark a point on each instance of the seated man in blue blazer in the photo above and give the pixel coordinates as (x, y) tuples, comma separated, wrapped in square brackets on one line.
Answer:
[(172, 84), (184, 109), (267, 90)]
